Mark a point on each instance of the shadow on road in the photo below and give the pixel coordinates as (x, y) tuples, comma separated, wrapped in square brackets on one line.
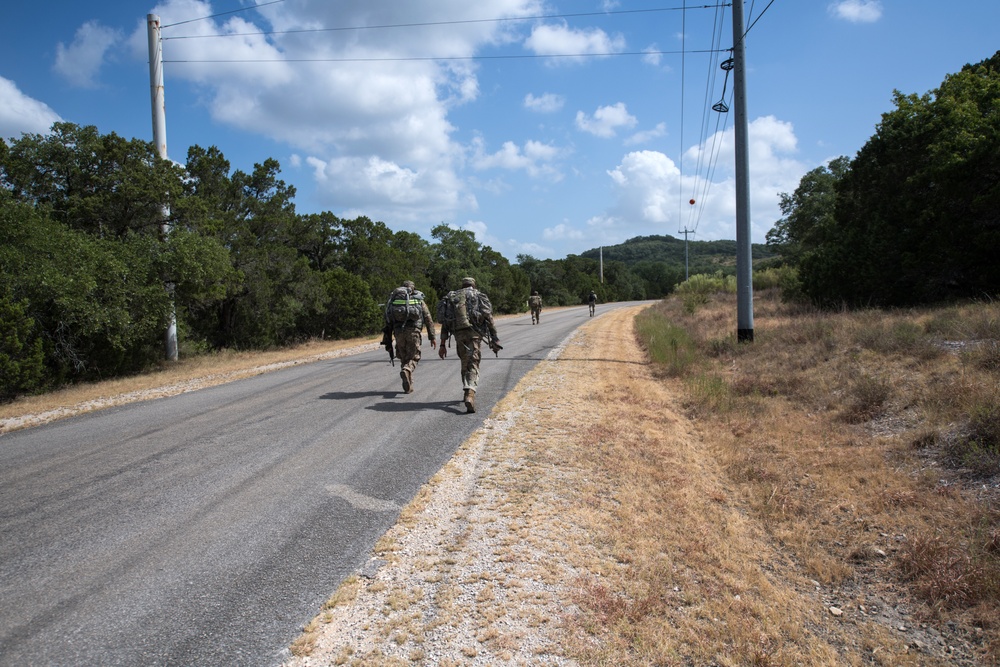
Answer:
[(455, 407), (348, 395)]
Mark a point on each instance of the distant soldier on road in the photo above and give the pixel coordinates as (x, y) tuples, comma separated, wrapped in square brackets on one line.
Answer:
[(406, 315), (592, 302), (535, 303), (467, 315)]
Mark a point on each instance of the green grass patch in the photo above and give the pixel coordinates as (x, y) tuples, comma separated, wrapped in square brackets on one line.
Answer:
[(670, 347)]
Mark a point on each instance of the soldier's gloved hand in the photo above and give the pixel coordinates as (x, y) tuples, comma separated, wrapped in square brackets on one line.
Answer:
[(495, 345), (442, 351), (434, 344)]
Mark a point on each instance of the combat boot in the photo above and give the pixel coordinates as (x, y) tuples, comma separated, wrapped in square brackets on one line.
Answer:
[(407, 385), (470, 400)]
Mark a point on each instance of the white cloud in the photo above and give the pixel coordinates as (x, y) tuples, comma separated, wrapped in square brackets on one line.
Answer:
[(546, 103), (606, 120), (565, 41), (80, 62), (653, 56), (20, 113), (647, 135), (372, 125), (857, 11), (534, 158), (652, 192), (562, 232)]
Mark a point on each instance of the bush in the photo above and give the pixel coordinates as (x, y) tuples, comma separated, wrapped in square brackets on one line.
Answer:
[(670, 347), (22, 358)]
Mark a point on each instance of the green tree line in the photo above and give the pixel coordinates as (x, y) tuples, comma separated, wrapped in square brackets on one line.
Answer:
[(90, 274), (914, 217)]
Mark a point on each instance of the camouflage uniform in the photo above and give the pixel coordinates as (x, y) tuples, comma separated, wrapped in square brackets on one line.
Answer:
[(467, 343), (535, 302), (409, 338)]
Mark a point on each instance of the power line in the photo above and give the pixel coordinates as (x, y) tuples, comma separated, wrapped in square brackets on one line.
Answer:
[(235, 11), (428, 23), (758, 17), (513, 56)]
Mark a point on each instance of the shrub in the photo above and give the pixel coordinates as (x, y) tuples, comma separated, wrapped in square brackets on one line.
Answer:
[(669, 346), (22, 359)]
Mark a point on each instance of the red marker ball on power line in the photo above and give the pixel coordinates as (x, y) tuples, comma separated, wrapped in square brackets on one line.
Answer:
[(691, 202)]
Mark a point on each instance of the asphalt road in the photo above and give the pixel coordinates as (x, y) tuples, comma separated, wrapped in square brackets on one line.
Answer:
[(208, 528)]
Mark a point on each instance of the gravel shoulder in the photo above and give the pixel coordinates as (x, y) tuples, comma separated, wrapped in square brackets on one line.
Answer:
[(482, 566)]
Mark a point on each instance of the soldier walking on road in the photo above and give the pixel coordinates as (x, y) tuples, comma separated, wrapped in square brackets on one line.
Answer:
[(535, 303), (406, 315), (467, 315), (592, 302)]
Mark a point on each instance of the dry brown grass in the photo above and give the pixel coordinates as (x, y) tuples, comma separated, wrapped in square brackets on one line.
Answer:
[(866, 445), (753, 506)]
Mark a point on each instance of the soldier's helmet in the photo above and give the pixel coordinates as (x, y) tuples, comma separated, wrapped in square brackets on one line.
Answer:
[(468, 282), (534, 292), (408, 284)]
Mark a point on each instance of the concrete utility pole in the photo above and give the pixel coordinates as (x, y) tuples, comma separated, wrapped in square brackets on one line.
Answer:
[(601, 255), (685, 233), (744, 253), (160, 139)]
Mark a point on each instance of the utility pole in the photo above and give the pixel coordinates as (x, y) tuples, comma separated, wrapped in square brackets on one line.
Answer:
[(601, 255), (160, 139), (744, 256), (685, 233)]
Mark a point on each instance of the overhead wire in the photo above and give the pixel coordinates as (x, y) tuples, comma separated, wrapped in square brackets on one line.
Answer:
[(722, 119), (234, 11), (509, 56), (701, 184), (707, 155), (421, 24)]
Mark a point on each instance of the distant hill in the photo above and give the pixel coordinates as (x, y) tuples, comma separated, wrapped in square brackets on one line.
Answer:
[(703, 256)]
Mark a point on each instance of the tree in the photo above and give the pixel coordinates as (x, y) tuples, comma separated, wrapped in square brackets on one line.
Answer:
[(100, 184), (916, 217), (99, 305), (22, 356), (808, 212)]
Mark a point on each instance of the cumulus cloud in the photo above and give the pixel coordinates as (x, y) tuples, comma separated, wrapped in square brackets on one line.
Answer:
[(652, 190), (562, 232), (647, 135), (561, 40), (652, 55), (20, 113), (80, 62), (364, 109), (535, 158), (857, 11), (545, 103), (606, 120)]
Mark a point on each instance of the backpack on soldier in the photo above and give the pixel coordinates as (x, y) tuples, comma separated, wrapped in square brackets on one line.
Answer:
[(403, 307), (464, 308)]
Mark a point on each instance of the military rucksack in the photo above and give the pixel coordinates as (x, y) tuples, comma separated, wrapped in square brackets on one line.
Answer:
[(464, 308), (535, 301), (404, 308)]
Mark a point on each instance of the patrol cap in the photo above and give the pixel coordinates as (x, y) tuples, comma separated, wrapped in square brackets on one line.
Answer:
[(468, 282)]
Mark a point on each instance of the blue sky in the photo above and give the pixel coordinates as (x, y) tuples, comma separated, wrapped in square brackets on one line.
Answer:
[(567, 125)]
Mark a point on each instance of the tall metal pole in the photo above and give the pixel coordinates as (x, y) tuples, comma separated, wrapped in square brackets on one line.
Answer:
[(160, 139), (744, 256)]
